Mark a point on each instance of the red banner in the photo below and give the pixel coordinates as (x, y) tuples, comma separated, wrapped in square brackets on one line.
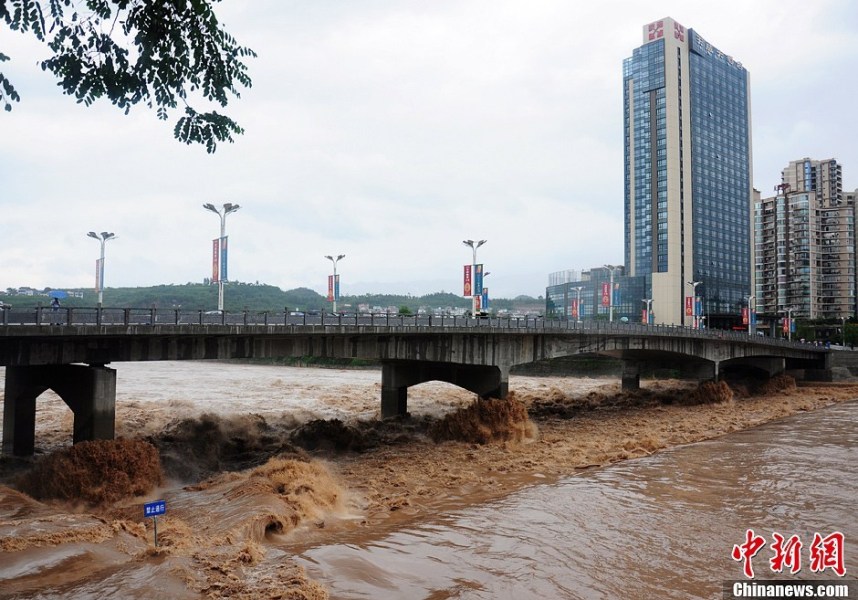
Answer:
[(477, 302), (786, 325), (645, 317), (468, 287), (330, 288), (606, 293), (216, 260), (744, 316), (689, 306), (574, 311)]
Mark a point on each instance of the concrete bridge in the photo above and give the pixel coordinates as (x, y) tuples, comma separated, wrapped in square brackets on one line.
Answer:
[(70, 355)]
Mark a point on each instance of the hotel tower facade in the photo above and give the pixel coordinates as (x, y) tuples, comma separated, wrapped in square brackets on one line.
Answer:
[(688, 178)]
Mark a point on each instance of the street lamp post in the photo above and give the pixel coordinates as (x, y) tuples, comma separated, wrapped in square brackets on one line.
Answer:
[(474, 245), (611, 268), (485, 292), (648, 302), (697, 319), (228, 208), (752, 309), (334, 294), (578, 305), (102, 239), (788, 312)]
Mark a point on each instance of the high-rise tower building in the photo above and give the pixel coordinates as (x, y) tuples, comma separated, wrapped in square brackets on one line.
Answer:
[(688, 190), (805, 244)]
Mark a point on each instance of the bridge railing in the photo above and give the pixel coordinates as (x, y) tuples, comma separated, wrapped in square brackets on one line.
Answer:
[(65, 316)]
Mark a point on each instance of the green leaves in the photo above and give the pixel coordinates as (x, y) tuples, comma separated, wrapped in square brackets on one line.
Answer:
[(207, 128), (138, 51), (7, 91)]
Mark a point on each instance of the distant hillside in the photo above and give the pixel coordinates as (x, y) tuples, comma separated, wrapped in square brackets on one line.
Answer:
[(257, 297)]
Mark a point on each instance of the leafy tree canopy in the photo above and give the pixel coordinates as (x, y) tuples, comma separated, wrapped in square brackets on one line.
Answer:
[(158, 53)]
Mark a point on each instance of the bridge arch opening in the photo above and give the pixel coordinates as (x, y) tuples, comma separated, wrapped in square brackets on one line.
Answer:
[(437, 398)]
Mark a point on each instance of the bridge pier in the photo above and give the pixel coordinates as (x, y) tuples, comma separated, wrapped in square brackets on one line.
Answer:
[(631, 375), (89, 391), (398, 376)]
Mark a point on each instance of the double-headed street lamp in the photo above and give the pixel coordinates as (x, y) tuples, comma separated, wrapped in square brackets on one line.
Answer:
[(578, 303), (648, 302), (697, 319), (102, 239), (334, 287), (752, 314), (611, 268), (788, 312), (474, 245), (220, 253)]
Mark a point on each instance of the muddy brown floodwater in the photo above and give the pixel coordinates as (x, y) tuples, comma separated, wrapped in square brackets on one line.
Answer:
[(281, 482)]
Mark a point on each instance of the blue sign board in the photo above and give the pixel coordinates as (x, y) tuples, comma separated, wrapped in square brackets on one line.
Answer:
[(154, 509)]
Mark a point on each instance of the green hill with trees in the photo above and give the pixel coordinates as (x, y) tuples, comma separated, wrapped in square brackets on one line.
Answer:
[(251, 296)]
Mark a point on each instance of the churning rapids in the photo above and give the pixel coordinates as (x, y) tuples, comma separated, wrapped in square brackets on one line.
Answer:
[(280, 482)]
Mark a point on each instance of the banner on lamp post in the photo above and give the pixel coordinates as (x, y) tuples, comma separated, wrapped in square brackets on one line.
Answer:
[(99, 274), (574, 308), (336, 287), (606, 293), (615, 299), (215, 260), (468, 287), (645, 316), (689, 306), (477, 303), (330, 288), (745, 318), (485, 303), (478, 280), (223, 261)]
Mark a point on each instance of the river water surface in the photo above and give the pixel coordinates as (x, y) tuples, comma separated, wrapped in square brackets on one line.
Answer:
[(657, 527)]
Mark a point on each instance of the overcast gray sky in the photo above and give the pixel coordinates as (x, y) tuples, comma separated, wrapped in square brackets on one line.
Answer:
[(390, 131)]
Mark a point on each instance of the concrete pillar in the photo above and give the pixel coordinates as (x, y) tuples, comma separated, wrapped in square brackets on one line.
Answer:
[(394, 391), (19, 413), (631, 375), (90, 391)]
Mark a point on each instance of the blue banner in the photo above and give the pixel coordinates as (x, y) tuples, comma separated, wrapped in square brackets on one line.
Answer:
[(698, 306), (478, 280), (485, 298), (616, 295), (223, 274), (337, 287)]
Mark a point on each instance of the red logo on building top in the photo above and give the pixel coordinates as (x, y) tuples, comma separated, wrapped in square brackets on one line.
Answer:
[(656, 30), (679, 32)]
